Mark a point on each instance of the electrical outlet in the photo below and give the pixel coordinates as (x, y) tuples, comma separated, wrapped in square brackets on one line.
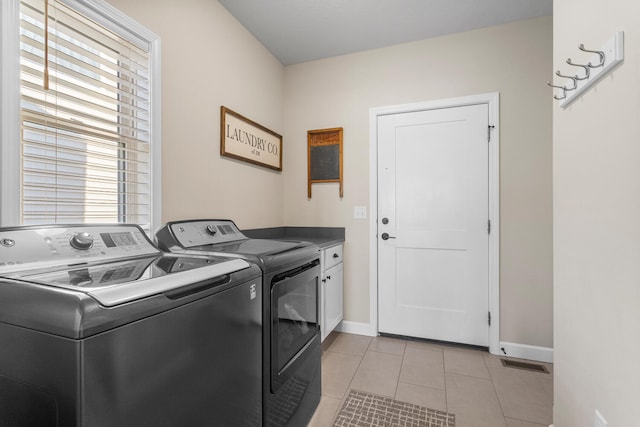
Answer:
[(599, 420)]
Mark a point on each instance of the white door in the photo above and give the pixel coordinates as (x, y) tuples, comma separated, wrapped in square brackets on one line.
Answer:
[(433, 258)]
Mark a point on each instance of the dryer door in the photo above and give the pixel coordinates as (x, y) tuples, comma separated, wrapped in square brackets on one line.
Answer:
[(294, 319)]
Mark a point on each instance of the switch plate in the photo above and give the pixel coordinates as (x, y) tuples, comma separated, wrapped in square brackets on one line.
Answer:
[(360, 212), (599, 420)]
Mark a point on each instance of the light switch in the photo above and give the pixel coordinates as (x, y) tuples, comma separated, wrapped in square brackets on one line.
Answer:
[(360, 212)]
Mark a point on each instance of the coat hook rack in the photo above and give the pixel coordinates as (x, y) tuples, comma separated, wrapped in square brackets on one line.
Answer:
[(601, 63)]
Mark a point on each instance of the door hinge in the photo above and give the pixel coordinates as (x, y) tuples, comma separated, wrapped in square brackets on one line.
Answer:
[(488, 226), (489, 318), (489, 128)]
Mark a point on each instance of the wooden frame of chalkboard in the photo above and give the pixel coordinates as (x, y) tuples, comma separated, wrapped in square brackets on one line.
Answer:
[(324, 157)]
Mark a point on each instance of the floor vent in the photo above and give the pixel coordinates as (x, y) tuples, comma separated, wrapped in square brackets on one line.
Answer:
[(524, 365)]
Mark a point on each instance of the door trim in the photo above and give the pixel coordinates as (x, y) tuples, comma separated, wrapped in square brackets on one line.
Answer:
[(493, 101)]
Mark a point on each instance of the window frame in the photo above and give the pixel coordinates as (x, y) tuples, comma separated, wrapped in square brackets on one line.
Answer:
[(10, 139)]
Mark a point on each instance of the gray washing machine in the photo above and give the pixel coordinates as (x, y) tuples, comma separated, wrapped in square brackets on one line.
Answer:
[(100, 328)]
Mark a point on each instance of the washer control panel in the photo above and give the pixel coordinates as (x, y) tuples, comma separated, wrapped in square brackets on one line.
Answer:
[(23, 248), (205, 232)]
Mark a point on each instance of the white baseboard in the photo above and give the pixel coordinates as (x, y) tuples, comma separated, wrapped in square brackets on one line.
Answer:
[(524, 351), (357, 328), (520, 351)]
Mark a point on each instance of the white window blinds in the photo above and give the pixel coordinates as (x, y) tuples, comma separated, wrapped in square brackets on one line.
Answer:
[(86, 139)]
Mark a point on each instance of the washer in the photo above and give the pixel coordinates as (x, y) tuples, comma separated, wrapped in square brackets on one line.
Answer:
[(100, 328), (291, 333)]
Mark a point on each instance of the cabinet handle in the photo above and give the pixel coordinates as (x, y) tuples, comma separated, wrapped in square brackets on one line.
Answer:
[(328, 277), (336, 256), (324, 280)]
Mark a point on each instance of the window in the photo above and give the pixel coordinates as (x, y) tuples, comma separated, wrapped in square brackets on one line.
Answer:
[(87, 98)]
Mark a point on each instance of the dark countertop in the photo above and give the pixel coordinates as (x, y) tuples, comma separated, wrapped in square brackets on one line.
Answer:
[(324, 237)]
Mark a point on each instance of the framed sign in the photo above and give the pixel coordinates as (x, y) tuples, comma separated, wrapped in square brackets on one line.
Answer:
[(324, 157), (244, 139)]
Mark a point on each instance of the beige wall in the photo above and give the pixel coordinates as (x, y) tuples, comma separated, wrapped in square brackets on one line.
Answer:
[(209, 60), (596, 187), (513, 59)]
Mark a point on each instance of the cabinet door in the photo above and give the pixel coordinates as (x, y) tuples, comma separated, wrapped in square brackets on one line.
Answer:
[(332, 298)]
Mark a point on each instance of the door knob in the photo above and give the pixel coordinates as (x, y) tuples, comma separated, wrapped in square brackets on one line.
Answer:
[(385, 236), (385, 221)]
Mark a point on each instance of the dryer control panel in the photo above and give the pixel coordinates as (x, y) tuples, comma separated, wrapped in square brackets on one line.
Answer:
[(205, 232), (23, 248)]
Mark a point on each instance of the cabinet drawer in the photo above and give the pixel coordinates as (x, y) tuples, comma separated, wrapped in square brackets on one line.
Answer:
[(332, 256)]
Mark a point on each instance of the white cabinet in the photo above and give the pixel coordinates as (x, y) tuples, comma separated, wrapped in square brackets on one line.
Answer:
[(331, 289)]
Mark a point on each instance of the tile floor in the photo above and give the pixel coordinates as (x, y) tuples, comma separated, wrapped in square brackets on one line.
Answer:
[(472, 384)]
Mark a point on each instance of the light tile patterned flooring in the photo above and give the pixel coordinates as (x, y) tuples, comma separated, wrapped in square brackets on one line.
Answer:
[(472, 384)]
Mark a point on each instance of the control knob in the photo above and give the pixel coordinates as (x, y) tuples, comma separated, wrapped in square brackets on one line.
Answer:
[(211, 230), (81, 241)]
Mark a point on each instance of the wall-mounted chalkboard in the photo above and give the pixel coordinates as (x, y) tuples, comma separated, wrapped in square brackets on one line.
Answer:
[(324, 156), (325, 162)]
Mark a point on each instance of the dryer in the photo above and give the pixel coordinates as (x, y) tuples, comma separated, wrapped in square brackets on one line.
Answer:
[(291, 330)]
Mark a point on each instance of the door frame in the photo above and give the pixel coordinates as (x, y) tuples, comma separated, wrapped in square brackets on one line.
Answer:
[(493, 101)]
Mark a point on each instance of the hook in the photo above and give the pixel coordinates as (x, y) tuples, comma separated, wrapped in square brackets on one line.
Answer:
[(573, 79), (587, 71), (599, 52), (559, 87), (564, 91)]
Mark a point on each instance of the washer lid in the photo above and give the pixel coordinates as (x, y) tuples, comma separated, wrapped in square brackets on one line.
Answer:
[(261, 247), (124, 281)]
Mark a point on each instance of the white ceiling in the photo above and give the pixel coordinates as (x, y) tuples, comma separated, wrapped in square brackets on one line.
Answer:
[(297, 31)]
